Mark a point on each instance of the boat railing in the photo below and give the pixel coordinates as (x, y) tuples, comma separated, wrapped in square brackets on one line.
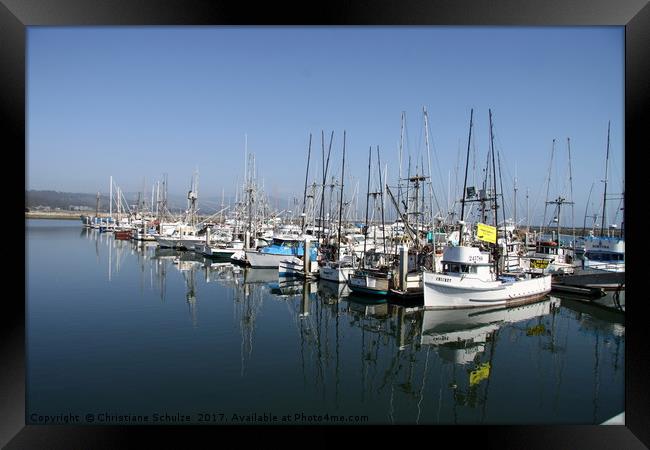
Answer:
[(604, 266)]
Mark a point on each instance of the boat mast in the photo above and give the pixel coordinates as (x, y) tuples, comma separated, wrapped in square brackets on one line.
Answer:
[(365, 234), (548, 185), (401, 147), (494, 182), (381, 193), (584, 223), (503, 209), (527, 211), (338, 245), (573, 226), (110, 202), (304, 195), (431, 193), (462, 201), (325, 167), (515, 202), (602, 226)]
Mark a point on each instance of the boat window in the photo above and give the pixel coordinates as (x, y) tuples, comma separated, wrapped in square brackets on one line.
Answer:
[(464, 268)]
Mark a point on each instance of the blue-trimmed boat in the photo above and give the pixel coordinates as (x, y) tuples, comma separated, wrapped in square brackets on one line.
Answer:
[(281, 248)]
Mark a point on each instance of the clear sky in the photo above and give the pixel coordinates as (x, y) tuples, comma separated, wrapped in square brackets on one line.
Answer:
[(137, 102)]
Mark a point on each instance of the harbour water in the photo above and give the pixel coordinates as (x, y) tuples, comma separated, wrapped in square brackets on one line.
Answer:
[(120, 332)]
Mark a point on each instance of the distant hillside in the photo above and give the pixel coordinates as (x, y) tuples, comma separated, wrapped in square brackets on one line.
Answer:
[(63, 200), (38, 200), (82, 201)]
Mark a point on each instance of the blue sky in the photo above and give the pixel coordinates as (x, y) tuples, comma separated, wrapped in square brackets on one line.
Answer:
[(138, 102)]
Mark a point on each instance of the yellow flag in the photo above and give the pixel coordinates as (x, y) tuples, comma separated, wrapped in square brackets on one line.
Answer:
[(486, 233)]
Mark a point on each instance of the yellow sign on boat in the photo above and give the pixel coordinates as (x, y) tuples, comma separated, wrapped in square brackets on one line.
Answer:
[(486, 233), (480, 374), (538, 263)]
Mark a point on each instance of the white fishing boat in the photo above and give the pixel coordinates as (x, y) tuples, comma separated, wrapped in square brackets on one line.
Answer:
[(603, 262), (280, 249), (468, 279), (337, 271), (222, 250), (292, 266), (472, 278), (549, 257), (184, 237), (239, 257), (372, 282), (604, 253)]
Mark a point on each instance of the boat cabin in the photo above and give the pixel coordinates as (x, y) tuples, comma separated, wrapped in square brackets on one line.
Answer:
[(461, 260), (604, 250)]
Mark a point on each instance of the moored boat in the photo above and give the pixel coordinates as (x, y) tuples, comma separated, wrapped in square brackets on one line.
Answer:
[(468, 279), (280, 248), (375, 282)]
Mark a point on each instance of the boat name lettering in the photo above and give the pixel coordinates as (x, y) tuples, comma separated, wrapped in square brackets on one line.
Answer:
[(475, 258), (600, 246), (446, 280)]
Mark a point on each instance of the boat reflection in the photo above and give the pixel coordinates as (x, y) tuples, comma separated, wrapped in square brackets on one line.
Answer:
[(331, 291), (290, 287), (460, 334), (411, 364), (256, 275)]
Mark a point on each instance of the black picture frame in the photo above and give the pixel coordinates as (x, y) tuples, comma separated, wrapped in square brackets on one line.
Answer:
[(16, 15)]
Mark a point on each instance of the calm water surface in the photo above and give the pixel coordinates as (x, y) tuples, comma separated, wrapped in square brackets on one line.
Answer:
[(119, 332)]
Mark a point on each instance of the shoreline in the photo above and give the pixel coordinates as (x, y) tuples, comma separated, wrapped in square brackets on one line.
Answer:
[(67, 215)]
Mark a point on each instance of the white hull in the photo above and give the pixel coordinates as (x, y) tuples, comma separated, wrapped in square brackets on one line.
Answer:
[(451, 291), (239, 257), (335, 273), (264, 260), (294, 267), (180, 243), (139, 236)]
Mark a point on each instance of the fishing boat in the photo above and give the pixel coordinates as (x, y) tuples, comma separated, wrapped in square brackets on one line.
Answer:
[(222, 249), (602, 269), (86, 220), (293, 266), (123, 235), (280, 249), (337, 271), (373, 277), (468, 279), (549, 256), (370, 281), (471, 277), (604, 253), (184, 237), (603, 262)]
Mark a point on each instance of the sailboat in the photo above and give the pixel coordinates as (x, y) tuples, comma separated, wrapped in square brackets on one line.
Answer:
[(471, 277)]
